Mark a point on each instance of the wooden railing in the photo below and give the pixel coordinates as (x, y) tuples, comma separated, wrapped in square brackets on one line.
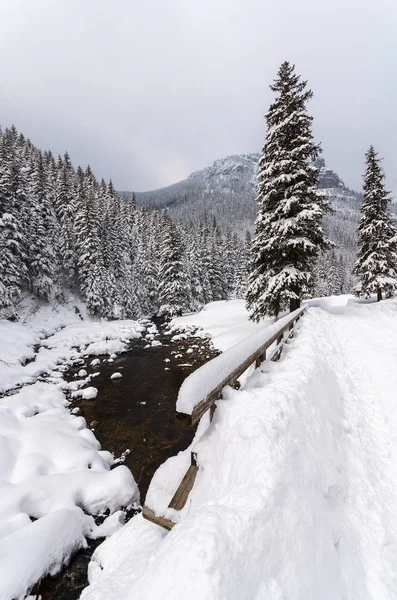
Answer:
[(203, 388)]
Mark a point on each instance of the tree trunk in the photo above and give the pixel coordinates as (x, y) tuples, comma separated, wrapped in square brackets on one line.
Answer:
[(379, 295), (294, 303)]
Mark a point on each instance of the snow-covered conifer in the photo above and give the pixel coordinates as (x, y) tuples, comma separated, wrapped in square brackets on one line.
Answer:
[(42, 242), (88, 250), (65, 209), (173, 288), (10, 262), (375, 267), (288, 228)]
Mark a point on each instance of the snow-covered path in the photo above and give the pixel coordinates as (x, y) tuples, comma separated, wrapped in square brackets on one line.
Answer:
[(296, 494), (362, 350)]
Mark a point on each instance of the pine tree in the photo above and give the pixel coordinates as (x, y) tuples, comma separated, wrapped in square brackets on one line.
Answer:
[(218, 274), (206, 266), (13, 206), (288, 228), (241, 270), (195, 273), (65, 209), (375, 267), (88, 249), (173, 289), (10, 261), (42, 243)]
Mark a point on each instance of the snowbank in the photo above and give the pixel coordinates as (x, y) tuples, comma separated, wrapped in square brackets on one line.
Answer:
[(297, 487), (204, 380), (43, 547), (226, 322), (53, 473), (64, 338), (51, 469)]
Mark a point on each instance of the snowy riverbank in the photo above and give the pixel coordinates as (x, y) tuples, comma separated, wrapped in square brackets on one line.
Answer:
[(53, 473), (307, 432), (225, 322)]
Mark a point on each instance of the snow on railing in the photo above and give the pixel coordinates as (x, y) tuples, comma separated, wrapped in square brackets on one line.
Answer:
[(203, 388)]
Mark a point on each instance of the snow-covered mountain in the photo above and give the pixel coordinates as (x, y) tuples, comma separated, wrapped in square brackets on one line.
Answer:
[(226, 190), (233, 173), (236, 171)]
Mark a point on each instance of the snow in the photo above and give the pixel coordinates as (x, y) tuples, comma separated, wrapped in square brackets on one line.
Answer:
[(226, 322), (51, 464), (35, 550), (297, 487), (53, 473), (116, 376), (64, 338), (88, 393), (204, 380), (113, 572)]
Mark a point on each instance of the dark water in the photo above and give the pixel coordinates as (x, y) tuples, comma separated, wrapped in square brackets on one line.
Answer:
[(135, 412)]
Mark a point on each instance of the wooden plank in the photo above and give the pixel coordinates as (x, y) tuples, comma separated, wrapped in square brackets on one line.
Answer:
[(179, 499), (148, 514), (181, 495), (205, 404)]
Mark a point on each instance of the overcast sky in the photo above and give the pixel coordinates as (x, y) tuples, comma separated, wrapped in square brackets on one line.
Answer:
[(148, 91)]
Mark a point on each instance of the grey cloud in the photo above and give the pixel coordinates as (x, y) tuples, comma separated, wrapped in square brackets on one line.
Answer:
[(147, 92)]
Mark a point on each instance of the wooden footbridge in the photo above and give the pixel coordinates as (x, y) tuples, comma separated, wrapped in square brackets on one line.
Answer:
[(200, 391)]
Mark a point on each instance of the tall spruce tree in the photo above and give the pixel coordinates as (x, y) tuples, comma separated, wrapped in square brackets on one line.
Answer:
[(42, 243), (288, 228), (88, 248), (173, 288), (13, 270), (65, 210), (376, 264)]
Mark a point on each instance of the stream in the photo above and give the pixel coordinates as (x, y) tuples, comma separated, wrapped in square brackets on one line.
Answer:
[(135, 413)]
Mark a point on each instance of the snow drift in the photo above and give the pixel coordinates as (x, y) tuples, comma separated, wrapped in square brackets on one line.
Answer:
[(53, 473)]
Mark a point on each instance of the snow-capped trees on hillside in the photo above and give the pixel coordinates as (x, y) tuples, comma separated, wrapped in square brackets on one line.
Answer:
[(288, 228), (376, 267), (63, 230)]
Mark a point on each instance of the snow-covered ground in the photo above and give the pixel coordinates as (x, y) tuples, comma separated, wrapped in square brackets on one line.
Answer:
[(296, 492), (64, 338), (226, 322), (53, 473)]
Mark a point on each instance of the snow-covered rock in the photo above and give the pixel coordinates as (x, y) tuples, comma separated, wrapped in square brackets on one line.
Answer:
[(89, 393)]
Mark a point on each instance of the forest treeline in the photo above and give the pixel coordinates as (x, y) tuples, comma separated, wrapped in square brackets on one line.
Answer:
[(63, 230)]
